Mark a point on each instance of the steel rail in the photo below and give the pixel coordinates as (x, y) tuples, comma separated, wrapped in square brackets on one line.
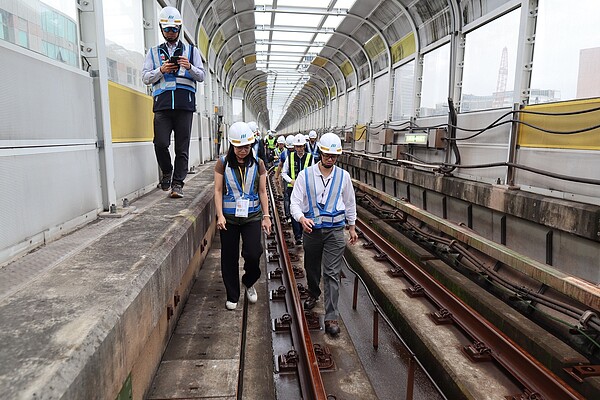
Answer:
[(309, 374), (569, 310), (522, 366)]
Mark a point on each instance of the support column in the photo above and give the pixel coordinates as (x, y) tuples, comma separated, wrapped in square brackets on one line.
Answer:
[(93, 48)]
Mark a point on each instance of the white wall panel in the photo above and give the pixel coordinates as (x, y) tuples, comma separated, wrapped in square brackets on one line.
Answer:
[(44, 188), (53, 102), (194, 152), (342, 110), (364, 109), (334, 112), (48, 156), (351, 107), (206, 139), (381, 98), (136, 169), (581, 163)]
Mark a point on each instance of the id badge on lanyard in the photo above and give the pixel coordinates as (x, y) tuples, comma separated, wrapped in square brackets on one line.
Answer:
[(241, 207)]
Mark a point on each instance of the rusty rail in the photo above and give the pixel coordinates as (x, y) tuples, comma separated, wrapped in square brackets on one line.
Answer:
[(529, 372), (309, 375)]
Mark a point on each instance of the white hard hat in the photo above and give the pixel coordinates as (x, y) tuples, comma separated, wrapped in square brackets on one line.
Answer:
[(289, 141), (330, 143), (169, 16), (253, 126), (306, 138), (299, 140), (312, 135), (280, 139), (240, 134), (270, 133)]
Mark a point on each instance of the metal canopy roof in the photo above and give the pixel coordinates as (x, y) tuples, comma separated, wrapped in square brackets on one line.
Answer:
[(287, 58)]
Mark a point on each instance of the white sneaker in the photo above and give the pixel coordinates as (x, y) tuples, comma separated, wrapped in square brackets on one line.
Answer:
[(251, 294), (230, 305)]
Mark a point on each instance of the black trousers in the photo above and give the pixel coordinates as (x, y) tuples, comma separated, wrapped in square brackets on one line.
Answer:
[(179, 122), (296, 226), (230, 254)]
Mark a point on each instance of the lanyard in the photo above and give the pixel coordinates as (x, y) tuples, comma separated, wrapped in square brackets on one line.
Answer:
[(243, 179), (324, 188)]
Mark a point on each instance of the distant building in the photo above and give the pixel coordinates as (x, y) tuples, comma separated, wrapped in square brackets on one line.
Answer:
[(42, 29), (588, 81), (471, 102)]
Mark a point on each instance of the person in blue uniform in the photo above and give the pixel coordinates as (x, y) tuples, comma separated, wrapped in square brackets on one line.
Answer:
[(296, 162), (323, 202), (289, 148), (242, 210), (172, 68), (258, 148), (311, 145)]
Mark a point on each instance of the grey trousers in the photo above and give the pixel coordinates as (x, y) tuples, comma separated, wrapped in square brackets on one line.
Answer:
[(324, 248)]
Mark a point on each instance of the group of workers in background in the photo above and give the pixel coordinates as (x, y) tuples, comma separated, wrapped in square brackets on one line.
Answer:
[(318, 196), (318, 201)]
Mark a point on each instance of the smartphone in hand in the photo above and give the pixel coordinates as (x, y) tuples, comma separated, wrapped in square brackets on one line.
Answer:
[(174, 59)]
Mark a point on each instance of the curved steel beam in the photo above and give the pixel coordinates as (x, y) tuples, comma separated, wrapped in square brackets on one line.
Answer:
[(250, 84), (343, 78), (234, 78), (312, 75)]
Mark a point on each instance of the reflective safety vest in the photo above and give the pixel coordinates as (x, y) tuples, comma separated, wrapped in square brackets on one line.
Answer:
[(325, 215), (293, 172), (277, 153), (235, 190), (313, 149), (178, 80), (271, 142)]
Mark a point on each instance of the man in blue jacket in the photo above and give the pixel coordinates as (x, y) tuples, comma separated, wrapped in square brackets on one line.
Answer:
[(172, 68)]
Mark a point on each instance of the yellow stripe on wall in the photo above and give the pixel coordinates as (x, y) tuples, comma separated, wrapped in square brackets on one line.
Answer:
[(360, 133), (130, 114), (590, 140)]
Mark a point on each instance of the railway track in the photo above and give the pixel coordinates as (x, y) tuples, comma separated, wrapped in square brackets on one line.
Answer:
[(488, 342), (302, 362)]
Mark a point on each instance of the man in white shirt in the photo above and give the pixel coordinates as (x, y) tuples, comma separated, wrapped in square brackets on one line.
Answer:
[(323, 202)]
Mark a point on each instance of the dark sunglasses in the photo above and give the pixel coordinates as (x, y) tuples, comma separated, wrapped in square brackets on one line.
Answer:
[(330, 156), (246, 147), (173, 29)]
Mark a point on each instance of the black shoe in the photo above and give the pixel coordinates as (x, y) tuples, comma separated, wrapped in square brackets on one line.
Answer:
[(176, 191), (332, 327), (310, 303), (165, 182), (298, 242)]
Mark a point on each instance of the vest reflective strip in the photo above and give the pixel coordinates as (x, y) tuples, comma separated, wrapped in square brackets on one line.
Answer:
[(234, 190), (336, 190), (327, 216), (292, 165), (170, 81)]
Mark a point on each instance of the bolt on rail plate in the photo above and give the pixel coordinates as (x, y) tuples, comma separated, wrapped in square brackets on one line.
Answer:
[(478, 352), (277, 273), (526, 395), (324, 357), (288, 362), (312, 320), (282, 324), (580, 372), (396, 272), (278, 294)]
